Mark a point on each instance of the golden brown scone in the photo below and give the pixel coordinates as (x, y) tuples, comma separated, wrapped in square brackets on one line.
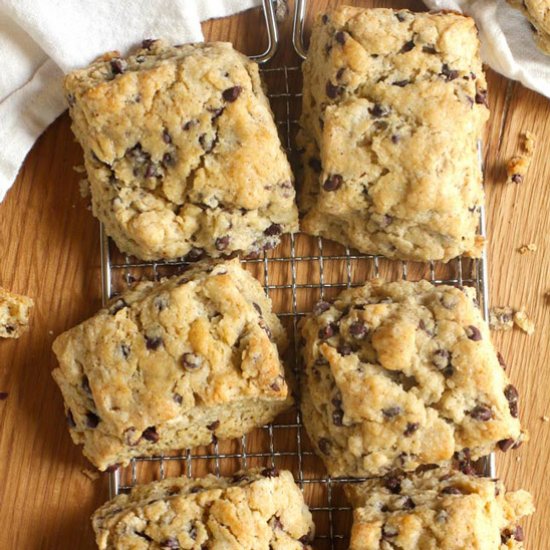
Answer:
[(403, 374), (394, 104), (182, 152), (437, 510), (172, 365), (15, 310)]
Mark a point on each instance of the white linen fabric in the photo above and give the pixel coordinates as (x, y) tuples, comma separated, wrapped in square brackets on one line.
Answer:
[(40, 40), (507, 43)]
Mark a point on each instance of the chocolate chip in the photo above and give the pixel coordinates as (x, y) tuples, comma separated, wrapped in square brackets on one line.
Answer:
[(344, 349), (333, 182), (216, 113), (401, 83), (214, 425), (324, 445), (408, 504), (448, 73), (517, 178), (273, 230), (378, 111), (518, 533), (392, 412), (177, 398), (222, 242), (333, 91), (451, 491), (270, 472), (328, 331), (324, 19), (429, 48), (237, 478), (512, 395), (125, 350), (153, 342), (189, 124), (340, 37), (505, 444), (168, 160), (117, 306), (400, 16), (315, 165), (151, 170), (340, 73), (144, 536), (118, 66), (482, 413), (147, 43), (389, 531), (277, 524), (481, 98), (231, 94), (338, 417), (9, 328), (171, 543), (407, 47), (358, 330), (92, 420), (150, 434), (112, 468), (411, 428), (320, 307), (191, 361), (279, 382), (473, 333), (265, 326), (70, 418), (166, 136)]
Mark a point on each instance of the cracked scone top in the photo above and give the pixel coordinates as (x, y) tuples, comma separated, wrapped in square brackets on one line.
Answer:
[(437, 510), (254, 510), (538, 14), (181, 151), (173, 365), (403, 374), (394, 104)]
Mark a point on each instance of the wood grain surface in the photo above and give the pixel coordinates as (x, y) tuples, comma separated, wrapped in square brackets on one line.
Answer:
[(49, 250)]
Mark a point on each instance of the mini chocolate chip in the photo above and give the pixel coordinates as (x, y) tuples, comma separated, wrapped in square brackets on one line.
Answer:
[(473, 333), (270, 472), (338, 417), (407, 47), (505, 444), (237, 478), (178, 398), (9, 328), (216, 113), (231, 94), (328, 331), (170, 543), (151, 170), (214, 425), (411, 428), (481, 98), (277, 524), (168, 160), (378, 111), (324, 445), (518, 533), (389, 531), (395, 138), (166, 136), (512, 395), (144, 536), (147, 43), (117, 306), (340, 73), (333, 182), (333, 91), (393, 484), (273, 230), (153, 342), (392, 412), (320, 307), (400, 16), (191, 361), (324, 19), (408, 504), (70, 418), (448, 73), (517, 178), (265, 326), (344, 349), (315, 165), (222, 242), (189, 124), (92, 420), (112, 468), (150, 434), (482, 413), (118, 66), (276, 386), (429, 48), (125, 350), (451, 491), (86, 384), (340, 37), (358, 330), (401, 83)]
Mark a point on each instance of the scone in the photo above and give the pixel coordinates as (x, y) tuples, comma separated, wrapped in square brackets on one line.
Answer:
[(181, 151), (437, 510), (15, 310), (173, 365), (394, 104), (538, 14), (254, 510), (403, 374)]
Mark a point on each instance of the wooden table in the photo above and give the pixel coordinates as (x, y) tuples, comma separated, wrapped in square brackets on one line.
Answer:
[(49, 249)]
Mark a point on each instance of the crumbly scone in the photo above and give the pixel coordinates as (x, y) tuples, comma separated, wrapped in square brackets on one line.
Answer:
[(521, 319), (15, 310), (501, 318), (394, 104), (437, 510), (181, 151), (254, 510), (172, 365), (402, 374), (518, 166), (538, 14)]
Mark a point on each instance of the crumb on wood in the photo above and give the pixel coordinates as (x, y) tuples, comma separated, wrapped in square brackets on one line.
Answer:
[(529, 140), (530, 247), (545, 418), (517, 166), (84, 187), (523, 322), (79, 169), (90, 474), (501, 318), (518, 458)]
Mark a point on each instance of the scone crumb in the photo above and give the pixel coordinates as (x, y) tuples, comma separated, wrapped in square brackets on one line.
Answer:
[(501, 318), (517, 166), (529, 142), (90, 474), (84, 188), (523, 322), (545, 418), (79, 169), (531, 247)]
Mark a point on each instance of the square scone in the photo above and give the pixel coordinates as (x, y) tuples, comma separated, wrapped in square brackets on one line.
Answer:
[(253, 510), (437, 510), (394, 104), (181, 151), (399, 375), (173, 365)]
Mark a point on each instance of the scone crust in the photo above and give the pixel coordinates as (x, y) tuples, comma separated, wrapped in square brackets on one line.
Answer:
[(254, 510), (394, 104), (15, 311), (402, 374), (172, 365), (437, 510), (181, 151)]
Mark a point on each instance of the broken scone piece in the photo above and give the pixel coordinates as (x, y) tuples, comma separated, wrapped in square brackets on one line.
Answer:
[(173, 365), (437, 509), (14, 313), (501, 318), (517, 167)]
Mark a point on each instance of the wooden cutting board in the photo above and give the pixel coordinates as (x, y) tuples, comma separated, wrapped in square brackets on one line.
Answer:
[(49, 249)]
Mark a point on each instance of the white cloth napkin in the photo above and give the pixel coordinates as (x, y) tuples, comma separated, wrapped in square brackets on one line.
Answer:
[(507, 43), (40, 40)]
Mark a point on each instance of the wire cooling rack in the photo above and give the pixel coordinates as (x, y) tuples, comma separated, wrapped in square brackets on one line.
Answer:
[(295, 275)]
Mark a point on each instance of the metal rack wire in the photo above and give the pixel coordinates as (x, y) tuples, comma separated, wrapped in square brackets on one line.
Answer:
[(300, 271)]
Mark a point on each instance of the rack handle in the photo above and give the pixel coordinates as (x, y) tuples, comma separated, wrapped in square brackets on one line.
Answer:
[(272, 33), (298, 27)]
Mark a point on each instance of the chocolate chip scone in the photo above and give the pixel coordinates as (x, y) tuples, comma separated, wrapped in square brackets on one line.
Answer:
[(15, 310), (437, 510), (254, 510), (402, 374), (394, 104), (181, 151), (538, 14), (173, 365)]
